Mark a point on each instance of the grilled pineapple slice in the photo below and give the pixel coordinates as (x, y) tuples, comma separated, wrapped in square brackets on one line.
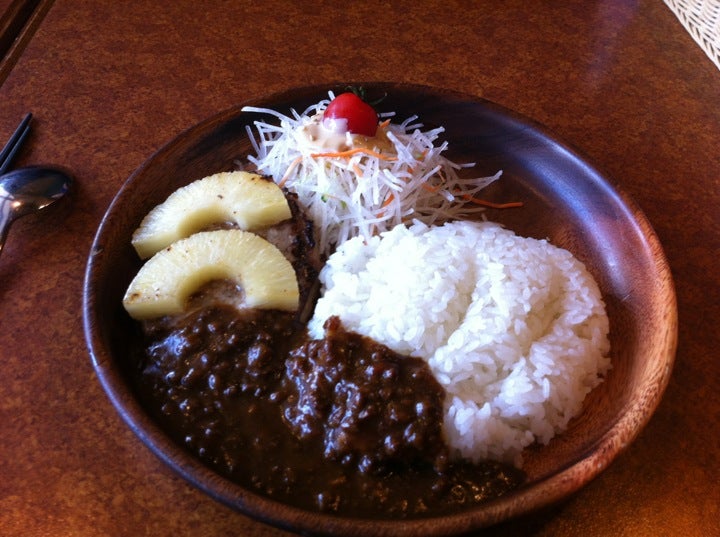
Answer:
[(249, 200), (167, 279)]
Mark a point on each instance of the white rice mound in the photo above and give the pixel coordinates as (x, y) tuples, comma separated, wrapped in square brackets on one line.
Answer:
[(513, 328)]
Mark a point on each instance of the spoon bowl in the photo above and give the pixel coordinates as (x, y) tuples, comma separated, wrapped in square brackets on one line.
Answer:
[(27, 190)]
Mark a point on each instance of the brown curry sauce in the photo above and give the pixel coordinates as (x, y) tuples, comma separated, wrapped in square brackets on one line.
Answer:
[(342, 425)]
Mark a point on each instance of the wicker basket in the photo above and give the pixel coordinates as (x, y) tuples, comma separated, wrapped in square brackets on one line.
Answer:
[(702, 19)]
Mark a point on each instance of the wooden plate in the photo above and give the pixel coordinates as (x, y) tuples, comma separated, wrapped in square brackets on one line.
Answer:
[(567, 200)]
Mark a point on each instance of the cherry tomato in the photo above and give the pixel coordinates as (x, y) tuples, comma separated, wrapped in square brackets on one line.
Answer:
[(361, 118)]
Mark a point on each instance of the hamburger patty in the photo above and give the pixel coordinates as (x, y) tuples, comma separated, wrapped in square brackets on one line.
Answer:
[(295, 238)]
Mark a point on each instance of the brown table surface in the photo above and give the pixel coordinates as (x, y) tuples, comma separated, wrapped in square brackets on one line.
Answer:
[(110, 82)]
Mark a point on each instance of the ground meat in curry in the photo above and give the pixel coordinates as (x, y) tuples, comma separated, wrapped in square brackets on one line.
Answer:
[(341, 425)]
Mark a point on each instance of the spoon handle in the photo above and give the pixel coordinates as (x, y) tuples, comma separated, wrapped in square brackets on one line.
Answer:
[(6, 218), (13, 146)]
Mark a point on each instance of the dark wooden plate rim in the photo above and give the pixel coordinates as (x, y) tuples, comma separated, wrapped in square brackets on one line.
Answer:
[(525, 500)]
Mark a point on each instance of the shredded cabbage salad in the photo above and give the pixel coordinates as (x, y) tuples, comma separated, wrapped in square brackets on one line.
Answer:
[(368, 188)]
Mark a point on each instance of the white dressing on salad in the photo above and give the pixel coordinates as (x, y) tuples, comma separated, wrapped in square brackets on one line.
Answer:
[(332, 135)]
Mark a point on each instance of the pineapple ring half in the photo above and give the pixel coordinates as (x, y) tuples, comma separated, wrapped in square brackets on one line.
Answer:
[(249, 200), (166, 280)]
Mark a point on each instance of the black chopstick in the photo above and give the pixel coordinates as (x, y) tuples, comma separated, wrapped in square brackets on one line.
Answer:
[(13, 146)]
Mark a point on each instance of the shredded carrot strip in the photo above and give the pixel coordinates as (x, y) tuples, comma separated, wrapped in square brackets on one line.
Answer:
[(491, 204), (388, 200), (384, 124), (431, 188), (477, 201), (287, 173), (357, 170), (385, 203), (351, 152)]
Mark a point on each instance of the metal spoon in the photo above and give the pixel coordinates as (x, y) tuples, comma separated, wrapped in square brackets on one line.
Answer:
[(27, 190)]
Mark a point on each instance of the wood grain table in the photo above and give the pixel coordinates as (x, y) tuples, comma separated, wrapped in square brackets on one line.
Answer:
[(110, 82)]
